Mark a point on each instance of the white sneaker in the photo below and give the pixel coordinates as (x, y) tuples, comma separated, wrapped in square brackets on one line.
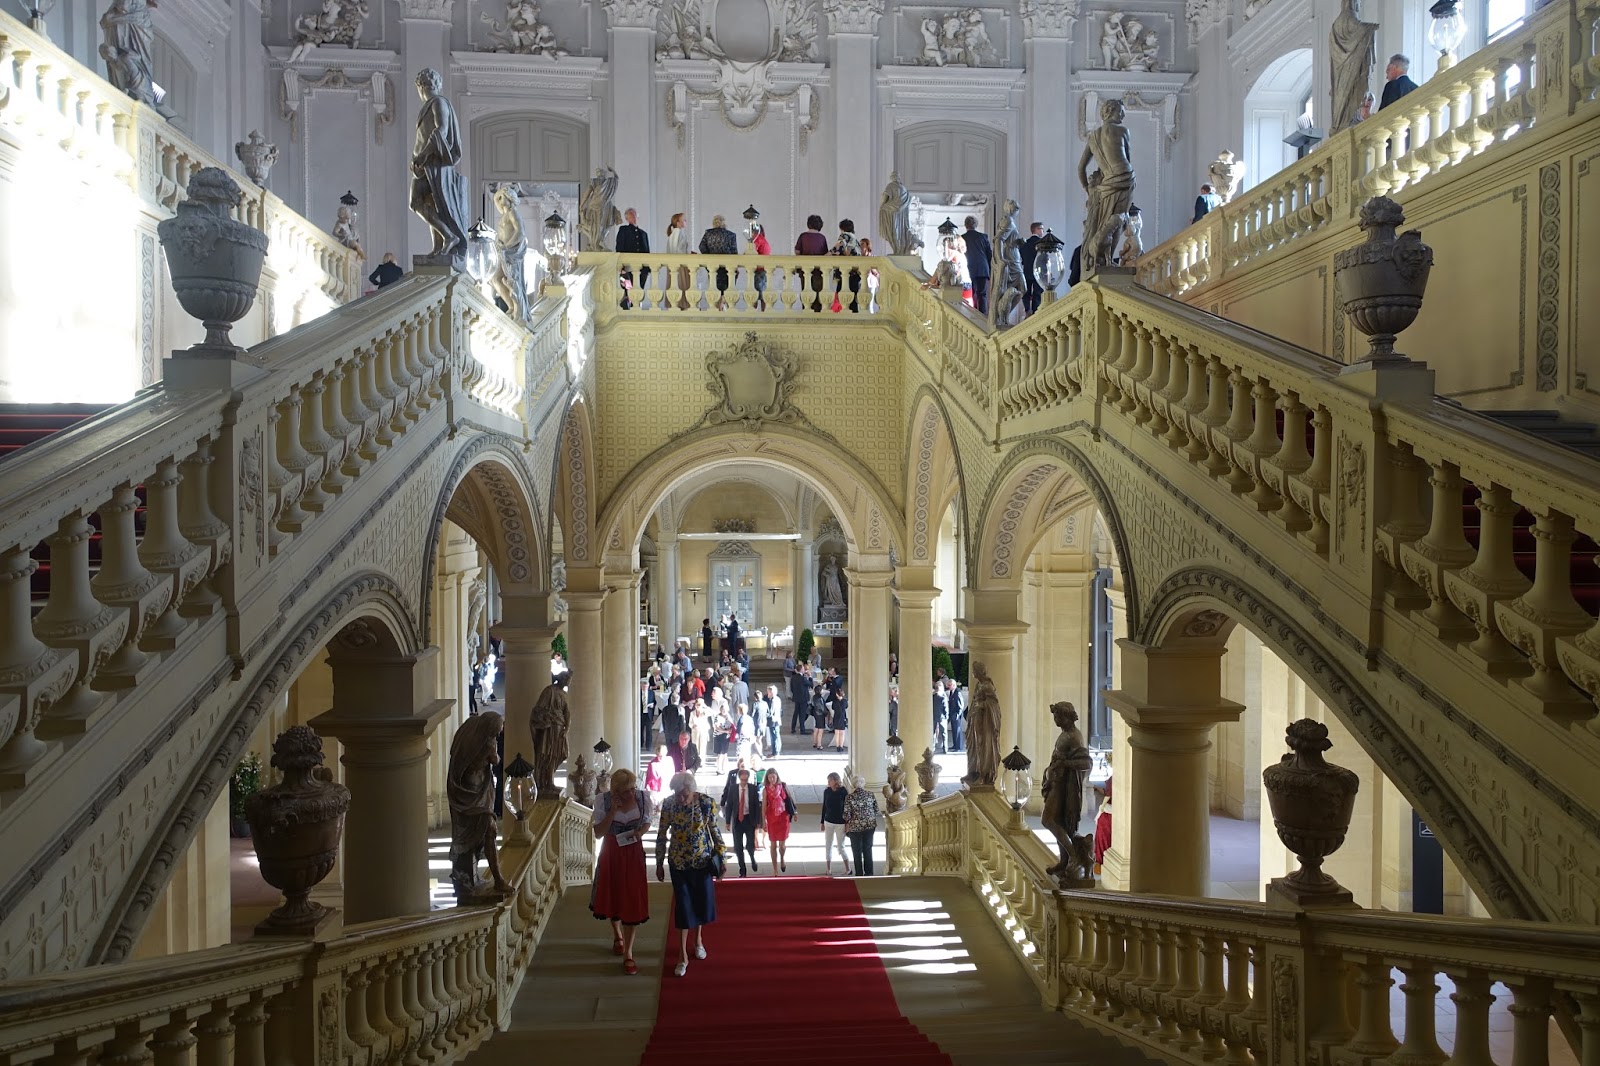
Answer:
[(700, 951), (680, 969)]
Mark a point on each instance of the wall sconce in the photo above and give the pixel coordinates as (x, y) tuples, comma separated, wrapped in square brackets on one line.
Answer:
[(694, 592), (774, 589)]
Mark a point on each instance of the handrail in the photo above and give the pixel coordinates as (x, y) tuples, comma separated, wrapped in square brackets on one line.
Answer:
[(1489, 102), (740, 285), (431, 985), (1194, 980)]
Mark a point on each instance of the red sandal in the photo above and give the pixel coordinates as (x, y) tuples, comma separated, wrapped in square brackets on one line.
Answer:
[(616, 946), (629, 966)]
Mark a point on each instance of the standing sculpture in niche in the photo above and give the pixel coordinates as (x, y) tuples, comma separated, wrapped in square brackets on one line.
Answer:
[(1064, 780), (1110, 187), (510, 283), (438, 192), (595, 212), (522, 33), (1011, 284), (338, 22), (832, 586), (470, 786), (129, 36), (894, 218), (547, 723), (983, 730), (1353, 48)]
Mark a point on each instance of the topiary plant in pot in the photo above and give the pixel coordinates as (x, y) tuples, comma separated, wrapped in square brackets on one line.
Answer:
[(808, 641), (246, 782)]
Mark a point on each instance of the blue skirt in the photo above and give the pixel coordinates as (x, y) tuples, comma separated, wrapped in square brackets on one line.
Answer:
[(694, 897)]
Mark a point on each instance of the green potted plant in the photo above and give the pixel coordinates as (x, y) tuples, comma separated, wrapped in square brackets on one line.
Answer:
[(808, 641), (246, 782), (559, 645), (942, 660)]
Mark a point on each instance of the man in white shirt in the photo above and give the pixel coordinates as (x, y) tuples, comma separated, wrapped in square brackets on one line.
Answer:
[(774, 721)]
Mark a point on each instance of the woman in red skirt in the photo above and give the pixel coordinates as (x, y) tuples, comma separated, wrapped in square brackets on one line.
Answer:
[(619, 896), (778, 808)]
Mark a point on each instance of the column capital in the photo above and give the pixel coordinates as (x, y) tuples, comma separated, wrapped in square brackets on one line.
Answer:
[(362, 730), (525, 639), (992, 634), (914, 579), (1185, 677), (853, 16), (1049, 20), (426, 10), (915, 599), (1171, 729), (869, 579), (631, 14)]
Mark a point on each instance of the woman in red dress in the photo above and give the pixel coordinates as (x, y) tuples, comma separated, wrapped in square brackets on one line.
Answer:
[(619, 896), (778, 808)]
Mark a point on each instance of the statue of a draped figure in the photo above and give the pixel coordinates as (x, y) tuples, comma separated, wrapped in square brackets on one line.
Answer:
[(510, 283), (1010, 283), (1110, 186), (595, 212), (1353, 49), (894, 218), (438, 192), (129, 40), (471, 789)]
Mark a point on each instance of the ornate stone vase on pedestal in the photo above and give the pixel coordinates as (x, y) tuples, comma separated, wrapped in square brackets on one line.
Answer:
[(295, 826), (1311, 801), (927, 775), (1384, 278), (215, 261)]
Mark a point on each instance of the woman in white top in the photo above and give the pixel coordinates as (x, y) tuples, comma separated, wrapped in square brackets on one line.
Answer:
[(678, 244)]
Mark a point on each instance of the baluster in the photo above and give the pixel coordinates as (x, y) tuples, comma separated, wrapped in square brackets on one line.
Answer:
[(1236, 430), (1472, 999), (215, 1034), (165, 551), (1530, 1022), (438, 355), (1237, 1002), (294, 460), (1546, 611), (249, 1043), (400, 414), (378, 995), (1262, 444), (1589, 1028), (1374, 1035), (1211, 994), (75, 621), (1186, 989), (356, 1026), (338, 428), (411, 361), (371, 405), (129, 1047), (199, 524), (124, 582), (1167, 1005), (1160, 362), (172, 1042), (1293, 458), (316, 442), (1445, 548), (1099, 966), (1420, 1046)]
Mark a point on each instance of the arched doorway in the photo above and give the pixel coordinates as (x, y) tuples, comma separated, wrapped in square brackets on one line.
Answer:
[(1274, 107), (954, 169)]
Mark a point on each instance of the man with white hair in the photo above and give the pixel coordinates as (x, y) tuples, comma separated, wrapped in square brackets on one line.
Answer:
[(1397, 83), (861, 822), (774, 721)]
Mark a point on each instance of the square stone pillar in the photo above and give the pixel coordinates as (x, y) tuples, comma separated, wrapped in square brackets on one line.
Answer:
[(585, 596), (868, 673), (853, 25), (619, 624), (525, 633), (915, 596), (992, 626), (634, 108), (1051, 147)]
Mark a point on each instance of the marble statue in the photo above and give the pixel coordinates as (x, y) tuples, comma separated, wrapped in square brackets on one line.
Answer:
[(1353, 50), (471, 788), (438, 191), (895, 793), (257, 156), (1128, 45), (522, 33), (983, 730), (129, 35), (338, 22), (595, 210), (956, 38), (832, 586), (1010, 284), (344, 226), (510, 283), (1226, 172), (1110, 187), (927, 775), (1132, 246), (894, 218), (1062, 791), (547, 723)]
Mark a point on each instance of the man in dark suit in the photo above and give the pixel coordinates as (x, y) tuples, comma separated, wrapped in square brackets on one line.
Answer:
[(1030, 251), (799, 698), (940, 718), (741, 810), (630, 238), (1207, 202), (1075, 267), (1396, 83), (978, 255)]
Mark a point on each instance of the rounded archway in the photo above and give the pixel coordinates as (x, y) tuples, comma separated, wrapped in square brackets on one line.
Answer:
[(1275, 105)]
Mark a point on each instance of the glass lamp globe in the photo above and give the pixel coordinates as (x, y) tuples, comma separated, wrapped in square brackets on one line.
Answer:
[(1049, 265), (602, 759), (1446, 30), (894, 750), (521, 789), (1016, 783), (555, 234), (483, 254), (947, 228)]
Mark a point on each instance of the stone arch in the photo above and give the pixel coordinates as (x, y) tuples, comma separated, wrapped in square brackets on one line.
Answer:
[(1036, 483), (1199, 607), (574, 489), (787, 506), (864, 507), (371, 598), (933, 474), (488, 493)]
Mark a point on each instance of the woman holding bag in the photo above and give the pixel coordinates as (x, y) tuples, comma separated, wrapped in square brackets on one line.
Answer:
[(690, 842), (778, 806)]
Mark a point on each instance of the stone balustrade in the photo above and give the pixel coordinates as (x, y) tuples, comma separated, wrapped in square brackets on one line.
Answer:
[(1204, 981), (1485, 105), (767, 285), (428, 988)]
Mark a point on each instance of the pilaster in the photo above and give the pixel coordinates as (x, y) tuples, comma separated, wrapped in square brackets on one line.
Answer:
[(425, 42), (805, 586), (619, 621), (666, 586), (633, 111), (585, 596), (854, 60), (1051, 148), (868, 672), (915, 595), (992, 626), (525, 632)]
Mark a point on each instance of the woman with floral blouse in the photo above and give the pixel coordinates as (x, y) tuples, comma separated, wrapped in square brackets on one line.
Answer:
[(689, 841)]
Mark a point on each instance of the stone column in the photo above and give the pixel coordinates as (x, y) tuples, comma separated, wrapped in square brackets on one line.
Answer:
[(634, 111), (1169, 699), (1050, 147), (868, 672), (586, 658), (525, 632), (805, 586), (854, 63), (383, 713), (619, 625), (425, 42), (992, 627), (915, 595), (666, 585)]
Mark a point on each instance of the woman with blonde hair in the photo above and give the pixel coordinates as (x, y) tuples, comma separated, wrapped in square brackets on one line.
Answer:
[(620, 892), (678, 244), (690, 842), (778, 807)]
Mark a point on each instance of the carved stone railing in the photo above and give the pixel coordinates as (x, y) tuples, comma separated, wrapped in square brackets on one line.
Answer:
[(1488, 103), (1202, 981), (743, 285), (423, 989)]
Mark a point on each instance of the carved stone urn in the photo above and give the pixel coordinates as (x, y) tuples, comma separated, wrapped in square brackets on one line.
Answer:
[(1383, 279), (1311, 802), (295, 826), (215, 261), (927, 775)]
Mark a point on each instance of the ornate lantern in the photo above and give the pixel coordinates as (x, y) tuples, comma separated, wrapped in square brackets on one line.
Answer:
[(1016, 783), (1049, 265), (1446, 31), (947, 228), (751, 214), (602, 765), (521, 792), (555, 241), (483, 253), (894, 750)]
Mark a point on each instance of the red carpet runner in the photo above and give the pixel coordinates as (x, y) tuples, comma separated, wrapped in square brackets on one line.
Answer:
[(792, 976)]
